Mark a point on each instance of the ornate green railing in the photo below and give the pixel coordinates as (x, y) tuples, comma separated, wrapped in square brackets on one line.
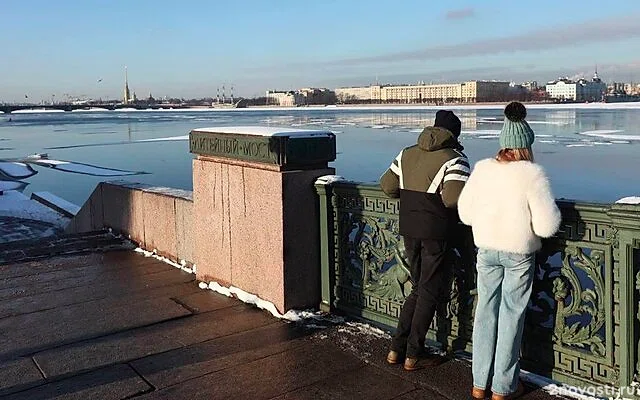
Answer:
[(583, 321)]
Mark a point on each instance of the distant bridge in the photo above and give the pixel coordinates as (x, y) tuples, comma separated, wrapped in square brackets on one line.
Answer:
[(72, 107), (109, 106)]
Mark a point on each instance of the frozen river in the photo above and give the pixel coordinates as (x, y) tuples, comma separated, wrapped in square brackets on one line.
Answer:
[(590, 151)]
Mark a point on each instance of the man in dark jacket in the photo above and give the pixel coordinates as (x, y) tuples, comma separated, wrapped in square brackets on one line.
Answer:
[(428, 178)]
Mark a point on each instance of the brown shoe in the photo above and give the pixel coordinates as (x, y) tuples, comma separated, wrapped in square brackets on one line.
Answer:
[(411, 364), (478, 394), (511, 396), (394, 357)]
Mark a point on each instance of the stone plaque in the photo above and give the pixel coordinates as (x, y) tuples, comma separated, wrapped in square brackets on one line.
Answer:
[(283, 147)]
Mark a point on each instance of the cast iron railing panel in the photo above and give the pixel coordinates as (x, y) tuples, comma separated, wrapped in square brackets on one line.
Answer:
[(582, 324)]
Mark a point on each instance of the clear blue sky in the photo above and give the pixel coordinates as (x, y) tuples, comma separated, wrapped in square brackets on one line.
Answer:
[(188, 48)]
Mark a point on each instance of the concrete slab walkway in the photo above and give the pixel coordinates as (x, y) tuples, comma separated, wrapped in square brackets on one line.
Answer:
[(118, 325)]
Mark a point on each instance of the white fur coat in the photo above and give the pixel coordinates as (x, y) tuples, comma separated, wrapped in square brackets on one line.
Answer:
[(509, 206)]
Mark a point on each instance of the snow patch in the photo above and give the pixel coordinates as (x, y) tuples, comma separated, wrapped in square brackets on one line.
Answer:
[(62, 204), (308, 315), (360, 328), (500, 121), (610, 134), (216, 287), (90, 109), (554, 389), (78, 168), (482, 132), (250, 298), (154, 254), (16, 204), (629, 200), (16, 170), (165, 139), (171, 192), (12, 185), (37, 111), (329, 179), (601, 132), (266, 131)]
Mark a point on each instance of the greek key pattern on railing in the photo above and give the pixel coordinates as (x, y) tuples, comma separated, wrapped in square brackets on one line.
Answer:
[(353, 202), (356, 298), (572, 365), (588, 232)]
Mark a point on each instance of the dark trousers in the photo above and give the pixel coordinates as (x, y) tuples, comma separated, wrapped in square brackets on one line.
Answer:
[(429, 272)]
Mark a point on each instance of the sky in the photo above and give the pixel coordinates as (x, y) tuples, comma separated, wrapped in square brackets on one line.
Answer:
[(56, 49)]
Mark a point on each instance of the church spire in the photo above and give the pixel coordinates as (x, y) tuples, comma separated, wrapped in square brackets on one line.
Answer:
[(596, 78), (127, 94)]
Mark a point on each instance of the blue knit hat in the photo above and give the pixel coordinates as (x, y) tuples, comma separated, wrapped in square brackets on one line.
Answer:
[(516, 132)]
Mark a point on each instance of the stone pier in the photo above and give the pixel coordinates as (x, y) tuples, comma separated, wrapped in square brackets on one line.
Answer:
[(255, 210)]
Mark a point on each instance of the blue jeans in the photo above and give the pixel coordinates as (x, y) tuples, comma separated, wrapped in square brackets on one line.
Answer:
[(504, 288)]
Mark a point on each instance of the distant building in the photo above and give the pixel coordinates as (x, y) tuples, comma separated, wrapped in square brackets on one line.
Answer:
[(288, 98), (467, 92), (581, 90), (530, 85), (314, 96), (616, 88), (632, 89), (304, 96), (563, 89), (358, 94), (485, 91)]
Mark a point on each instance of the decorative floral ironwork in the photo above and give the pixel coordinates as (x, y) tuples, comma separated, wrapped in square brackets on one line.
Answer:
[(582, 301)]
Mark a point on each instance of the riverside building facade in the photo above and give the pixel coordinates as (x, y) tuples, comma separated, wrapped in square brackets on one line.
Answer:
[(581, 90), (301, 97), (466, 92)]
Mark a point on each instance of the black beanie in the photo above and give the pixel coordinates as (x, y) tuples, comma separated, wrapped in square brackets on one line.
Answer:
[(448, 120)]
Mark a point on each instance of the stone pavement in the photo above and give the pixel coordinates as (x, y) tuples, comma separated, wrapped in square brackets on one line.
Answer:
[(118, 325)]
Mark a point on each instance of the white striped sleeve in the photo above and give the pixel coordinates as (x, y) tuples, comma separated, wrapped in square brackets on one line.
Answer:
[(396, 165), (454, 169), (457, 170)]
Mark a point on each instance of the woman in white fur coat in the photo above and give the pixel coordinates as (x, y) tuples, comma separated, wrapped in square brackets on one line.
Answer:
[(509, 205)]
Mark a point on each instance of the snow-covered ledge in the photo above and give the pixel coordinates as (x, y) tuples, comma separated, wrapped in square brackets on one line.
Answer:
[(629, 200), (267, 131), (158, 219)]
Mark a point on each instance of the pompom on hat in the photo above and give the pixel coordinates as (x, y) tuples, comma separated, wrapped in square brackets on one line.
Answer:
[(516, 132)]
